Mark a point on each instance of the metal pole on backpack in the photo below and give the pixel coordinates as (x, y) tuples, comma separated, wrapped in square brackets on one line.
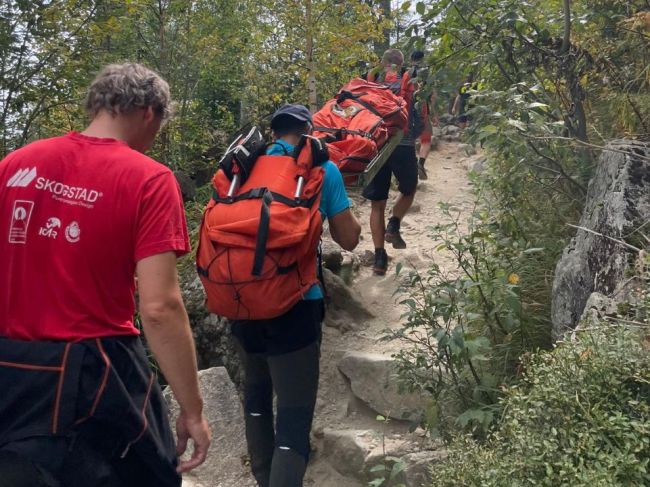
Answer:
[(299, 188), (233, 186)]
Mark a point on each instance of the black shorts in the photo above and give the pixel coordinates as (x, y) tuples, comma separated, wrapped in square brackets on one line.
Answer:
[(403, 163), (297, 328)]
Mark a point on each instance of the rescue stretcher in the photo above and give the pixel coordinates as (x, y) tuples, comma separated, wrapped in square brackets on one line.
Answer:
[(362, 179)]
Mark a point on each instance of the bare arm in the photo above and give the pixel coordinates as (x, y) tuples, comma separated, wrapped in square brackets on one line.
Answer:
[(168, 333), (432, 103), (345, 229), (456, 107)]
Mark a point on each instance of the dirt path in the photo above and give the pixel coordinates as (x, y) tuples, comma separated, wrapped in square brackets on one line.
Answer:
[(447, 182)]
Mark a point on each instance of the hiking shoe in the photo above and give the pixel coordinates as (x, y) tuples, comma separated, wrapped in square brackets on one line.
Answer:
[(392, 235), (381, 262), (422, 173)]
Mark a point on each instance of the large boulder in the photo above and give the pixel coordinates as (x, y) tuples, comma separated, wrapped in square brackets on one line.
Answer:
[(618, 203), (373, 379), (215, 345), (332, 255), (418, 465), (226, 462), (347, 450), (368, 455), (344, 302)]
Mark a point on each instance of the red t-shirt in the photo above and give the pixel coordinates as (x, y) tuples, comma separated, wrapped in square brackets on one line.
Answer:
[(76, 215)]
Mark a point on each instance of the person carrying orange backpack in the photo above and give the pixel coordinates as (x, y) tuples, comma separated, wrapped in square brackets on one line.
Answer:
[(257, 259), (402, 163)]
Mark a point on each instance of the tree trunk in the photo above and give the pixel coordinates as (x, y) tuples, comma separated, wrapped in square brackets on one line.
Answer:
[(311, 64), (566, 41), (381, 46)]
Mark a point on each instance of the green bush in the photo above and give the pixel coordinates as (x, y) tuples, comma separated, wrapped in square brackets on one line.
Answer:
[(580, 417), (463, 332)]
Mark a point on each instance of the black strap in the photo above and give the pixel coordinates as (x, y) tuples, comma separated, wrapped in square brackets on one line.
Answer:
[(259, 193), (262, 233), (286, 269), (343, 131), (369, 107), (321, 274), (255, 193), (348, 95)]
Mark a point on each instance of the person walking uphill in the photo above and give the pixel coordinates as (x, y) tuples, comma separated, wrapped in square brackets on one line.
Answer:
[(80, 216), (281, 355), (402, 163), (272, 224), (428, 112)]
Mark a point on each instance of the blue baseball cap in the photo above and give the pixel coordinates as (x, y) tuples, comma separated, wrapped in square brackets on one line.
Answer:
[(299, 112)]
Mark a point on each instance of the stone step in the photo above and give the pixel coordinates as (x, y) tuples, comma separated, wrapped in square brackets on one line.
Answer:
[(367, 455), (373, 380), (226, 462)]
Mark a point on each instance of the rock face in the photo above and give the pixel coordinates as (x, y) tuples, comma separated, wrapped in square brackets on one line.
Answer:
[(618, 202), (344, 303), (226, 462), (187, 185), (215, 345), (373, 380)]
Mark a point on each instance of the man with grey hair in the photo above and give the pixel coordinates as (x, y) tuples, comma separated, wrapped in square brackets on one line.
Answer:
[(80, 216)]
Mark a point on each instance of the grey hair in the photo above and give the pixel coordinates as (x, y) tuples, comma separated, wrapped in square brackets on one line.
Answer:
[(124, 88), (392, 56)]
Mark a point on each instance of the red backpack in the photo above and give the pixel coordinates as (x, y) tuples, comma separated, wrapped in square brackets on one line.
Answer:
[(258, 243)]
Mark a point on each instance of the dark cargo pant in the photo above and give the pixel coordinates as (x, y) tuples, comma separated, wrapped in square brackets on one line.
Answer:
[(281, 356)]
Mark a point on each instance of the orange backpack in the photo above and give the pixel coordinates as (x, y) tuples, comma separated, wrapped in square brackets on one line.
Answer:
[(257, 253), (358, 122)]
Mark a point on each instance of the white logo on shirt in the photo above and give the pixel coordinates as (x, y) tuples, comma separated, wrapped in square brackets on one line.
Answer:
[(73, 195), (22, 178), (73, 232), (50, 228), (20, 216)]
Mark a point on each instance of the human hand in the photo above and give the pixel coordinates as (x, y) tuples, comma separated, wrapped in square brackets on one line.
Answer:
[(196, 428)]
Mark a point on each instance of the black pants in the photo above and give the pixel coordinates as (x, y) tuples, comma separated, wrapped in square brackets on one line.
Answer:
[(281, 357), (57, 462), (403, 163), (83, 414)]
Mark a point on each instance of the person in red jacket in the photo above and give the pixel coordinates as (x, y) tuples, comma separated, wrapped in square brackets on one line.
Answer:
[(417, 71), (80, 216)]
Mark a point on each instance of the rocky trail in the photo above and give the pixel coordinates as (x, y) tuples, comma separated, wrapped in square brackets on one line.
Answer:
[(357, 379)]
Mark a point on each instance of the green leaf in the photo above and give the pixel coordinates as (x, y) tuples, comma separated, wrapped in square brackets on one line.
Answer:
[(378, 468), (406, 6), (517, 123), (398, 468), (420, 8)]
